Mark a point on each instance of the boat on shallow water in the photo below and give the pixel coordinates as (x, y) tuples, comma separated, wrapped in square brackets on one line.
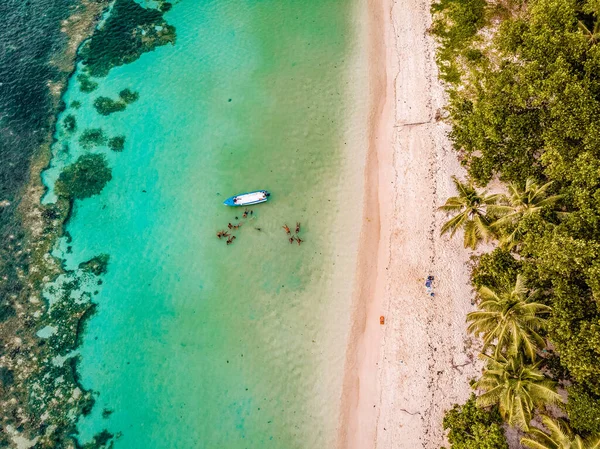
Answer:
[(246, 199)]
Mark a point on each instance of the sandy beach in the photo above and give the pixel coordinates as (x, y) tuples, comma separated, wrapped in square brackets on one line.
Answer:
[(402, 376)]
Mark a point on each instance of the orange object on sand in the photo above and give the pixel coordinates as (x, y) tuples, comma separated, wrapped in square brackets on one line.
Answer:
[(381, 319)]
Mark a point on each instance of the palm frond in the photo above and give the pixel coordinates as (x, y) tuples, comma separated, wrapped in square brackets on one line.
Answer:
[(453, 224), (533, 444)]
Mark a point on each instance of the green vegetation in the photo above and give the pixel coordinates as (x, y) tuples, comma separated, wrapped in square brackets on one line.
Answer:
[(84, 178), (92, 137), (69, 123), (559, 436), (456, 27), (471, 427), (129, 96), (524, 104), (128, 32), (516, 387), (116, 143), (86, 84), (107, 106), (509, 320), (583, 409), (496, 270), (96, 265), (471, 207)]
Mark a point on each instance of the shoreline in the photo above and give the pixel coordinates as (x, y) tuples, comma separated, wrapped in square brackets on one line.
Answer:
[(358, 418), (401, 377)]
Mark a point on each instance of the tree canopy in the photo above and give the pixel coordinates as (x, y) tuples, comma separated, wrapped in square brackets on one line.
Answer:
[(471, 427), (523, 78)]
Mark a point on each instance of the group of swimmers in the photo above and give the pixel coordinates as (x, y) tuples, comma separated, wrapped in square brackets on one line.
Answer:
[(234, 227), (230, 238), (291, 237)]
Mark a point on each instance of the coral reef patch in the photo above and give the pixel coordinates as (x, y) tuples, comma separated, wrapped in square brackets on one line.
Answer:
[(84, 178), (116, 143), (127, 33)]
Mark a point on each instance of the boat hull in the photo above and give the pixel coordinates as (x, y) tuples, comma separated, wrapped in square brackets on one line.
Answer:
[(247, 199)]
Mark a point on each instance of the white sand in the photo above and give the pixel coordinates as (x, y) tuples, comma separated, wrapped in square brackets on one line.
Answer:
[(401, 377)]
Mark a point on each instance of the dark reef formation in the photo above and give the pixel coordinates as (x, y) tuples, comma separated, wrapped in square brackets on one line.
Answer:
[(129, 96), (38, 40), (69, 123), (86, 84), (116, 143), (84, 178), (128, 32), (107, 106), (92, 137), (96, 265), (41, 394)]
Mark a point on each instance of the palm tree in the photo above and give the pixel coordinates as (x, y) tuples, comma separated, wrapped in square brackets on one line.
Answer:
[(520, 203), (517, 388), (591, 12), (471, 207), (591, 34), (510, 318), (560, 437)]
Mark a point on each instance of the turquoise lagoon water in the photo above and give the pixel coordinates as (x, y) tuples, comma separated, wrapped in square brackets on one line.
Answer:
[(197, 344)]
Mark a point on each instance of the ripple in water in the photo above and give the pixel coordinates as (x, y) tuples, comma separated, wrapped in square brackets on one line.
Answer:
[(198, 344)]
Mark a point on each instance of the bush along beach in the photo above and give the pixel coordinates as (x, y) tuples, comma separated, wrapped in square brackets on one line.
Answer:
[(524, 105)]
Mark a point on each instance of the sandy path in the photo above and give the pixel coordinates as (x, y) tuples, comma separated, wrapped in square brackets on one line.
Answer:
[(403, 375)]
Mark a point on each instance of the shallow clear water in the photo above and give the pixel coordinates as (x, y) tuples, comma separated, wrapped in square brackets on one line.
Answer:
[(197, 344)]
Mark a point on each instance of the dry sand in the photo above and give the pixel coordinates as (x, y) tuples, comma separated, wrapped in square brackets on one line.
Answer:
[(402, 376)]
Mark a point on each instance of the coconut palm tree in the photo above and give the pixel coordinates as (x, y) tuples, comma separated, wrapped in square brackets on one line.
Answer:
[(593, 34), (509, 318), (520, 203), (592, 13), (560, 437), (516, 387), (471, 208)]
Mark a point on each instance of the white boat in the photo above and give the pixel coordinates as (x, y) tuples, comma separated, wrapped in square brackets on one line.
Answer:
[(246, 199)]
